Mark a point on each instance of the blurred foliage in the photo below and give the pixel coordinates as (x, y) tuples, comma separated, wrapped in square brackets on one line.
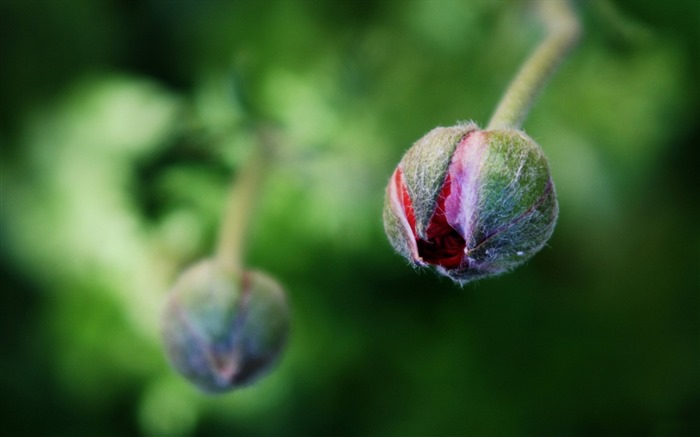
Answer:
[(122, 123)]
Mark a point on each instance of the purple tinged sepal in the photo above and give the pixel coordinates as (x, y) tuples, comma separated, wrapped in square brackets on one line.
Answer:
[(224, 328), (471, 203)]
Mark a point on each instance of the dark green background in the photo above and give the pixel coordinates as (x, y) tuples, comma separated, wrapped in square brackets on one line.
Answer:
[(123, 121)]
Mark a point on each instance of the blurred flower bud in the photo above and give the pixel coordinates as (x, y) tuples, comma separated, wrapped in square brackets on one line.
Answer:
[(223, 329), (469, 202)]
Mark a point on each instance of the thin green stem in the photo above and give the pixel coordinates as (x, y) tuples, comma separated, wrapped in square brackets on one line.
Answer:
[(241, 202), (563, 30)]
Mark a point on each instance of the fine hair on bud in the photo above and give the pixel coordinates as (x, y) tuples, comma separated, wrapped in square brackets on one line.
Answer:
[(224, 328), (471, 203)]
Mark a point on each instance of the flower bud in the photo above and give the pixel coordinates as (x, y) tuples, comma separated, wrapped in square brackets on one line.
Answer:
[(471, 203), (223, 329)]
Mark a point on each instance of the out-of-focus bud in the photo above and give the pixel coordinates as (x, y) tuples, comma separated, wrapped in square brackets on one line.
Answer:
[(223, 329), (469, 202)]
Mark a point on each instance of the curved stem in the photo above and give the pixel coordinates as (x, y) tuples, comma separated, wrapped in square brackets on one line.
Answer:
[(563, 30), (241, 202)]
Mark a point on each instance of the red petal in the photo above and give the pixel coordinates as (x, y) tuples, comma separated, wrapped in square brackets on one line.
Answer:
[(406, 203), (444, 246)]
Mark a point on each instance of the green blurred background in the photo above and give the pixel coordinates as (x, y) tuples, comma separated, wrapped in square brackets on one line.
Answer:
[(122, 123)]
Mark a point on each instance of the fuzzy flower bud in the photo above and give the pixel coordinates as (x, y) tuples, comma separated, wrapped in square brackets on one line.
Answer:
[(223, 329), (469, 202)]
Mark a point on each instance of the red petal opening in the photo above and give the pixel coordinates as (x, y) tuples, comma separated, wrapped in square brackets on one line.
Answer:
[(444, 246)]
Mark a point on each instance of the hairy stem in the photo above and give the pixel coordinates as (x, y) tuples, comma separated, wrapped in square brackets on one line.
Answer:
[(563, 30), (241, 202)]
